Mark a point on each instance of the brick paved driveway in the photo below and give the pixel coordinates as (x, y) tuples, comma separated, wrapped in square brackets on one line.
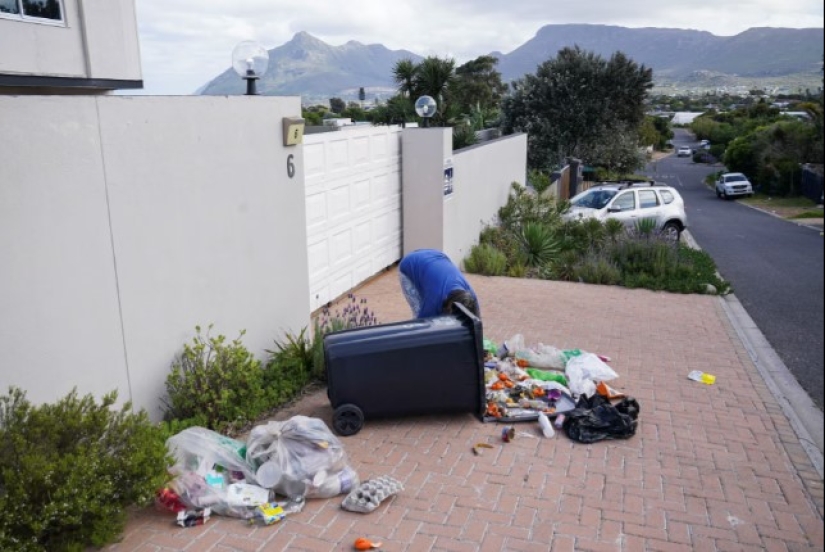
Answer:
[(711, 467)]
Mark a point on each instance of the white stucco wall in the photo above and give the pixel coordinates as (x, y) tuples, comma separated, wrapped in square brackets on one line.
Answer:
[(126, 221), (112, 39), (99, 40), (424, 151), (482, 178), (59, 319)]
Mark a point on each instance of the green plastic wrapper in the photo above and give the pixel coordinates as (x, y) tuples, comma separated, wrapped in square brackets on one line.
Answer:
[(490, 347), (542, 375)]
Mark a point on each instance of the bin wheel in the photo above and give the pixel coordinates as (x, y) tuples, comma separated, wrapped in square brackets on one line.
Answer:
[(347, 420)]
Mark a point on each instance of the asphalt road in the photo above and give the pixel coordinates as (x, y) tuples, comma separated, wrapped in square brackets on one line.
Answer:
[(775, 267)]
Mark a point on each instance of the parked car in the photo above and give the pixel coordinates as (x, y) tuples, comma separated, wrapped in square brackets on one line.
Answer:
[(630, 202), (705, 145), (684, 151), (732, 185)]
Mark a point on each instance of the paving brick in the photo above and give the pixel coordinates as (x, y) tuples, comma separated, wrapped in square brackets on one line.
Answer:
[(710, 468)]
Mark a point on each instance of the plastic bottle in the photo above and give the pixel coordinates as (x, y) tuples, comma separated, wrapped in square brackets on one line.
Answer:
[(546, 426)]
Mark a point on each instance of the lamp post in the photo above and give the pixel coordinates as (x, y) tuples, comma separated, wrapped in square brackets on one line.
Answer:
[(426, 107), (250, 61)]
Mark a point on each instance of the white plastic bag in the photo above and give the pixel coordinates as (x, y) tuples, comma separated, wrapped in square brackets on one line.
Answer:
[(310, 459), (584, 371)]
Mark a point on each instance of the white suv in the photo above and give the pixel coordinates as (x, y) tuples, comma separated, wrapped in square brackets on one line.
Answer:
[(630, 202), (733, 184)]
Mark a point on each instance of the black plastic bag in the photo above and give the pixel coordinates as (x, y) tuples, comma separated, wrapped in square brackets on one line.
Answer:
[(595, 419)]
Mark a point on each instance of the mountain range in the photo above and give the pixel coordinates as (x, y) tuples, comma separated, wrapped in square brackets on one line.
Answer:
[(309, 67)]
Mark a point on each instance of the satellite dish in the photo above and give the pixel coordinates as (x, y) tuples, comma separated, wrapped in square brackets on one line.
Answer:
[(425, 106), (250, 59)]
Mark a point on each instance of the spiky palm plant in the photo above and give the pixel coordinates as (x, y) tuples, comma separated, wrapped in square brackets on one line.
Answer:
[(404, 73), (539, 244), (645, 227), (613, 229)]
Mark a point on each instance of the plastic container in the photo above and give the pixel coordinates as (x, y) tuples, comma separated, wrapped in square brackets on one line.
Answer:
[(546, 426), (424, 366), (268, 475)]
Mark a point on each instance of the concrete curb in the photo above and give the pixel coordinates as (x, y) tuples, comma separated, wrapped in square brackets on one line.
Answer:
[(806, 419), (813, 224)]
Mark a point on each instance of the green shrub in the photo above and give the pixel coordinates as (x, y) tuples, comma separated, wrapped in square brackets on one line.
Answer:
[(218, 382), (613, 229), (463, 136), (540, 181), (290, 367), (486, 259), (69, 470), (562, 268), (597, 268)]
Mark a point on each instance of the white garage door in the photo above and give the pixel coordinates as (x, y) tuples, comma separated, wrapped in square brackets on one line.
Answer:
[(353, 203)]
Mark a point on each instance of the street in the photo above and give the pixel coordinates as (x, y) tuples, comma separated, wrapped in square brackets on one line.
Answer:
[(775, 267)]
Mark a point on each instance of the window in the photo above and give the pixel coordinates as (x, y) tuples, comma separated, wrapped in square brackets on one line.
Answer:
[(648, 199), (625, 202), (667, 197), (32, 10)]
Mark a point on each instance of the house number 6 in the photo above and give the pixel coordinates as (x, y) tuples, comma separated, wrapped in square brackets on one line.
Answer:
[(290, 165)]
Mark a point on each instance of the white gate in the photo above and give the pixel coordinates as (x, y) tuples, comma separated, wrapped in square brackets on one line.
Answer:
[(353, 205)]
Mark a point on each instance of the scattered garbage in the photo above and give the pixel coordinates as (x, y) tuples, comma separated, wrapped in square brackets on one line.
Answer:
[(269, 513), (608, 392), (583, 371), (508, 434), (300, 458), (596, 419), (365, 544), (523, 382), (478, 446), (296, 459), (192, 518), (546, 426), (369, 494), (698, 375), (561, 389)]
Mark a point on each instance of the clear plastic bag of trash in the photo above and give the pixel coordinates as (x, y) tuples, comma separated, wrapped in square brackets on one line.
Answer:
[(583, 371), (541, 356), (209, 468), (300, 458), (201, 450), (195, 492)]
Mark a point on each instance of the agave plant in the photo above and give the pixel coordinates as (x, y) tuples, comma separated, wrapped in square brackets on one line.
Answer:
[(645, 227), (594, 230), (613, 229), (539, 244)]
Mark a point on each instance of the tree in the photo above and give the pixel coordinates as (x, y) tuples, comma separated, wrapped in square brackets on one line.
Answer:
[(432, 78), (621, 154), (574, 103), (404, 75), (477, 85), (337, 105), (397, 110), (354, 112)]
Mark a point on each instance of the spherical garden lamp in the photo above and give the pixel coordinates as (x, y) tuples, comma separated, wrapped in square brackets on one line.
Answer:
[(426, 107), (250, 60)]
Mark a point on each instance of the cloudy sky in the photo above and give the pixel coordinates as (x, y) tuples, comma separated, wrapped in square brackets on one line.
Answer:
[(186, 43)]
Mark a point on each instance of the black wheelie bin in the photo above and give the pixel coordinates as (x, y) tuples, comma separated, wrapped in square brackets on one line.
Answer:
[(423, 366)]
